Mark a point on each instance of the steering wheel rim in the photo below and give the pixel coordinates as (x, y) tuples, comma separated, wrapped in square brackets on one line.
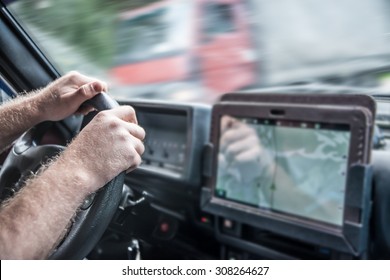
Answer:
[(94, 215)]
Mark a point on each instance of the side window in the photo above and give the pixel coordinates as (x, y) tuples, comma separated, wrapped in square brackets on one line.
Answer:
[(6, 92), (218, 19)]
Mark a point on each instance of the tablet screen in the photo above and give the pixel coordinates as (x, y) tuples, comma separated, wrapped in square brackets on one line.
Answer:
[(289, 167)]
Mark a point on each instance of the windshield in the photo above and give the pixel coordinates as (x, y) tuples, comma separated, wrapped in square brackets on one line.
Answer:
[(150, 33), (308, 40), (198, 50)]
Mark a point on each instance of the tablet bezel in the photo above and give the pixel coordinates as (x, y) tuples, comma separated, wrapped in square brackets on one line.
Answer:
[(337, 237)]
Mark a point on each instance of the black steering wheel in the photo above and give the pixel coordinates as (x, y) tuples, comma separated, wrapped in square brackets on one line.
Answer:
[(94, 214)]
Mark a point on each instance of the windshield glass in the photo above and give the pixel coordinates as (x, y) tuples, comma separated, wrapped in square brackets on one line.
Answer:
[(308, 40), (197, 50), (150, 33)]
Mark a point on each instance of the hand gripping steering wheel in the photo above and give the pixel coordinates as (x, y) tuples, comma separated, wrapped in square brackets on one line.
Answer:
[(93, 216)]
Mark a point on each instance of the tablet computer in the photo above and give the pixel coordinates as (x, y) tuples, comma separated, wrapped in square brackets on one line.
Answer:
[(291, 169)]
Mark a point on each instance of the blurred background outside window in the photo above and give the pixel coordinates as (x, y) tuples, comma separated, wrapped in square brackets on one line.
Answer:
[(197, 50)]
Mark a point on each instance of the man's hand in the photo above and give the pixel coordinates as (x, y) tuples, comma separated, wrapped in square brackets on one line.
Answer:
[(56, 101), (109, 144), (64, 96)]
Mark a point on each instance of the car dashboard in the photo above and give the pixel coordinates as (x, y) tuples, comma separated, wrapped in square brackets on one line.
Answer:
[(161, 215)]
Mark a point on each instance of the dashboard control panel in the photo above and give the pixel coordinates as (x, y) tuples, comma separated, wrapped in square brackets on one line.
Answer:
[(165, 143), (175, 137)]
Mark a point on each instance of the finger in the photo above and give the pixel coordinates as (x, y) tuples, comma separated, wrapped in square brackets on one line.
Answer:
[(249, 155), (138, 145), (135, 130), (86, 91), (99, 86), (234, 134), (242, 145), (85, 109), (125, 113), (80, 79)]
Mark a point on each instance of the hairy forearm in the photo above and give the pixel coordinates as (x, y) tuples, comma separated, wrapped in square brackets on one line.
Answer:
[(17, 116), (34, 220)]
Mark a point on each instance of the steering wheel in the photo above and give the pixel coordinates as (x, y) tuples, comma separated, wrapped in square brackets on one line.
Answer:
[(93, 216)]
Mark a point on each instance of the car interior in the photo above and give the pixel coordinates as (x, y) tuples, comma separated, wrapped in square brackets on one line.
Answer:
[(315, 183)]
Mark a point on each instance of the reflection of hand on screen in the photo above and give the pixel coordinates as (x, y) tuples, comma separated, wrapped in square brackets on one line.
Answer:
[(241, 149)]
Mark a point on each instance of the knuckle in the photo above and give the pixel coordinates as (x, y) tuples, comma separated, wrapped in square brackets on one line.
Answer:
[(102, 116), (108, 122), (73, 75), (130, 155), (113, 125), (130, 110), (123, 137), (83, 90), (96, 86)]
